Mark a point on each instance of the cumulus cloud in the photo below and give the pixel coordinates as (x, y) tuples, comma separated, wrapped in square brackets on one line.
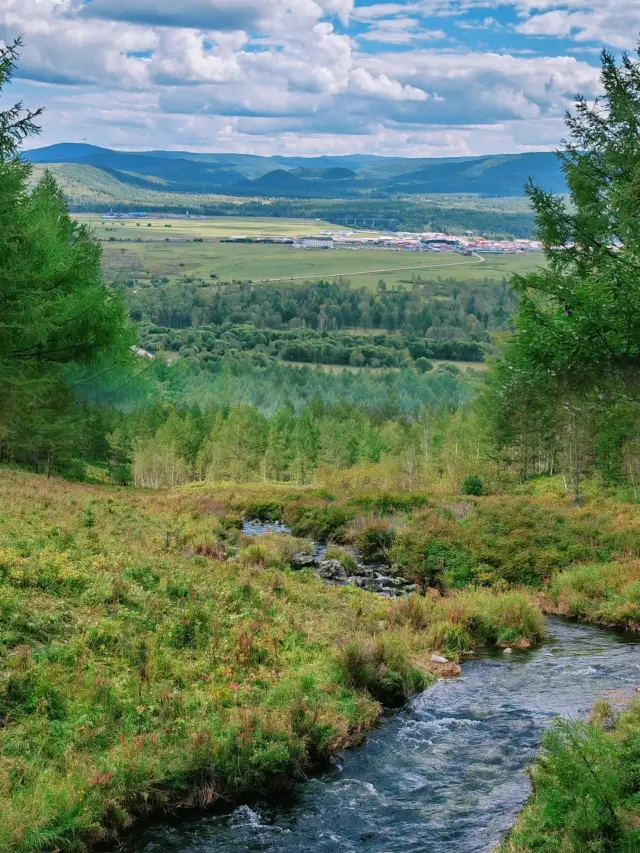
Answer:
[(363, 82), (272, 75), (607, 22)]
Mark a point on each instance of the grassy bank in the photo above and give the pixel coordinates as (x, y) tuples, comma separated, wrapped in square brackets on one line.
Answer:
[(151, 657), (586, 788), (607, 593)]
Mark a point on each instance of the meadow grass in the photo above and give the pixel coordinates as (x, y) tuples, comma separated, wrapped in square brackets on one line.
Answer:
[(152, 657)]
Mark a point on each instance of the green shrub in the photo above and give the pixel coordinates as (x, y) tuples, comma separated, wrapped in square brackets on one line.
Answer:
[(324, 523), (386, 504), (433, 561), (374, 542), (382, 668), (264, 510), (472, 485), (586, 787)]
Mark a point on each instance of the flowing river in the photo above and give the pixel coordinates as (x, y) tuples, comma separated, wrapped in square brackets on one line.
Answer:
[(445, 775)]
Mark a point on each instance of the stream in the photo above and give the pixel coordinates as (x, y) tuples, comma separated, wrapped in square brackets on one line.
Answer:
[(445, 775)]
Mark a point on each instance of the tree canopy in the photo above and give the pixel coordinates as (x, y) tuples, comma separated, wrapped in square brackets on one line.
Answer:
[(56, 312)]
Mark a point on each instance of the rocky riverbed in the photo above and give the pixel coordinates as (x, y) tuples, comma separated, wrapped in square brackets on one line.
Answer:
[(374, 577)]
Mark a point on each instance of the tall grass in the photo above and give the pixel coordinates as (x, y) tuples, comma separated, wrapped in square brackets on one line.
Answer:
[(601, 592), (155, 658)]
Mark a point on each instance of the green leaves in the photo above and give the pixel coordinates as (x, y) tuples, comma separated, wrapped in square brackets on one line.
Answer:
[(58, 318)]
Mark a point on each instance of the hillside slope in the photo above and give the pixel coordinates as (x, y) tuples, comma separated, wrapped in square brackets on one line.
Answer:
[(316, 177)]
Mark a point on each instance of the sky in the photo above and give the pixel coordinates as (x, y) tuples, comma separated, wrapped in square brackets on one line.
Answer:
[(415, 78)]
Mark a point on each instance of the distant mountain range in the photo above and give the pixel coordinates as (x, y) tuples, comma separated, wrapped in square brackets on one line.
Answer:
[(349, 176)]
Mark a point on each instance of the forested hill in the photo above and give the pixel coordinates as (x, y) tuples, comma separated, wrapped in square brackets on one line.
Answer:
[(318, 177)]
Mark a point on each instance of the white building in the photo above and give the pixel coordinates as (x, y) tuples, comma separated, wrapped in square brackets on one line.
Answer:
[(315, 243)]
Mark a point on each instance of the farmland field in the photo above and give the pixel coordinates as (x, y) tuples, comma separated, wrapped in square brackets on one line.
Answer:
[(210, 227), (171, 248)]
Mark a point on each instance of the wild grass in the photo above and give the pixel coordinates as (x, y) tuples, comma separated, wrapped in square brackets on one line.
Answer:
[(582, 559), (585, 788), (152, 657), (602, 592)]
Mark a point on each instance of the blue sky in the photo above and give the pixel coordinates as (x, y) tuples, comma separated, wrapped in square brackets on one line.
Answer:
[(410, 77)]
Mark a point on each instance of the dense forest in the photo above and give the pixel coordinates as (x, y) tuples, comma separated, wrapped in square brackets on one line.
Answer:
[(331, 323), (443, 309)]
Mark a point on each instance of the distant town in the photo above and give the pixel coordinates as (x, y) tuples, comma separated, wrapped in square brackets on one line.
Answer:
[(426, 241), (401, 241)]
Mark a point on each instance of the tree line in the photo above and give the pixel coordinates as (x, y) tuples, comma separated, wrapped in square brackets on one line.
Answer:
[(210, 346), (438, 308)]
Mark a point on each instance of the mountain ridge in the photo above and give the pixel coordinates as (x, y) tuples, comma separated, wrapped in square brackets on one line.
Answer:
[(328, 176)]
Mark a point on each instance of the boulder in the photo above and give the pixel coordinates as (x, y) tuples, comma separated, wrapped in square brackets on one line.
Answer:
[(446, 670), (331, 570), (508, 651), (302, 561), (439, 659)]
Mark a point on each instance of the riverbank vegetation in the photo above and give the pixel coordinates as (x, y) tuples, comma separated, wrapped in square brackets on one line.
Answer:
[(153, 656), (585, 788)]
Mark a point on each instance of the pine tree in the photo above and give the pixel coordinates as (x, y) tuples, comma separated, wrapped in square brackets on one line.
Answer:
[(56, 313)]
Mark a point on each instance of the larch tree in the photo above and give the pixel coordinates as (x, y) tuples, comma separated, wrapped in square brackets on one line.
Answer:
[(577, 342), (57, 316)]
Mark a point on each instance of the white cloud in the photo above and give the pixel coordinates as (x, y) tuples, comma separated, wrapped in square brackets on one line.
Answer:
[(382, 10), (400, 31), (382, 86), (609, 22), (274, 75)]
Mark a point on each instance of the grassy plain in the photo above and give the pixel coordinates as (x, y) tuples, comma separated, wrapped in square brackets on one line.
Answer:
[(152, 657), (209, 228), (135, 250)]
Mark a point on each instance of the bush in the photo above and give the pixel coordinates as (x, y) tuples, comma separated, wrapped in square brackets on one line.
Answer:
[(374, 542), (472, 485), (435, 562), (585, 789), (387, 503), (264, 510), (323, 523), (382, 668)]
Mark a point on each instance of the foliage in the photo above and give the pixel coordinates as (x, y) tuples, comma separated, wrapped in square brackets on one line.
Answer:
[(58, 320), (374, 541), (472, 485), (585, 788), (600, 592), (577, 348), (382, 668)]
